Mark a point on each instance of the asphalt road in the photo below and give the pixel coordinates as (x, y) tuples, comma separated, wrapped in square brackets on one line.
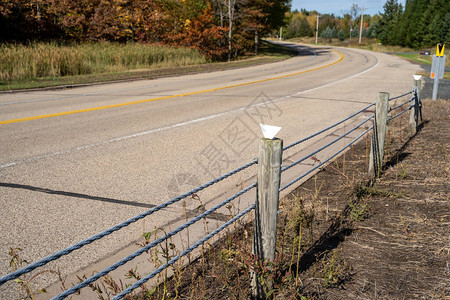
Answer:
[(75, 162)]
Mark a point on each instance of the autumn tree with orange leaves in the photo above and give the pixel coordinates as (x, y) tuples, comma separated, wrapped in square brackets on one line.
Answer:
[(206, 25)]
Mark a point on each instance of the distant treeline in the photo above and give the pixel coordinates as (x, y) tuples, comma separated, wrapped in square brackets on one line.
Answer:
[(219, 29), (421, 23)]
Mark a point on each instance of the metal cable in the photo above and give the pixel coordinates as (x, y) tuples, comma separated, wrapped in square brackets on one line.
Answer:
[(326, 146), (326, 129), (393, 98), (327, 160), (100, 235), (399, 114), (114, 266), (404, 103), (184, 253)]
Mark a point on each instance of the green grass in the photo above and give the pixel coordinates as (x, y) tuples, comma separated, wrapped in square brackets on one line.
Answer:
[(422, 59), (425, 59)]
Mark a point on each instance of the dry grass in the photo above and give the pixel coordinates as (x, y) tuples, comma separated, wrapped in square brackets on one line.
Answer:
[(106, 62), (54, 60)]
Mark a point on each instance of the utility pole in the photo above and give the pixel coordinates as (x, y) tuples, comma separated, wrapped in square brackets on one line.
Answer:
[(361, 28), (281, 32), (317, 27)]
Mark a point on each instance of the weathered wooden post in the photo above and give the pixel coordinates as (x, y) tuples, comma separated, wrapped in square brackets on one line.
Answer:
[(265, 228), (414, 112), (379, 134)]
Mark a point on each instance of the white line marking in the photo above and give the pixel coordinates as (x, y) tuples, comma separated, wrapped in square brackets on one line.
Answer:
[(164, 128)]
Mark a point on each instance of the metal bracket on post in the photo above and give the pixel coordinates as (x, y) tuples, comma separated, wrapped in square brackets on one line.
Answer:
[(379, 134), (265, 228)]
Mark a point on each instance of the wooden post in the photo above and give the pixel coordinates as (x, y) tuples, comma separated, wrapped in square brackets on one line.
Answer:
[(265, 228), (379, 134), (414, 112)]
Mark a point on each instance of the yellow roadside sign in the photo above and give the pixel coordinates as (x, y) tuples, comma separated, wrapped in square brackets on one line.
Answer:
[(440, 49)]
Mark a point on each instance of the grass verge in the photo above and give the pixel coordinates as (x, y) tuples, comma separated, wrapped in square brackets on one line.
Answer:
[(89, 64)]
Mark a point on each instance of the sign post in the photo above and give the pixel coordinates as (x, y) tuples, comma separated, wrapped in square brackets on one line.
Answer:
[(438, 68)]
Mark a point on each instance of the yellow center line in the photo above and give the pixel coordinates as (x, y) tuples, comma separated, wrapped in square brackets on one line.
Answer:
[(65, 113)]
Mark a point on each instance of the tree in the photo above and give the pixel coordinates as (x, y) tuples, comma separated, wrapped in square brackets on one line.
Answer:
[(202, 34), (355, 32), (231, 8), (328, 33), (197, 23), (355, 11), (333, 33), (389, 21), (298, 26), (22, 20), (341, 35)]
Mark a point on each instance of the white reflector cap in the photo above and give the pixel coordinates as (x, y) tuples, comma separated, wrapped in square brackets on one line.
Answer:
[(269, 131)]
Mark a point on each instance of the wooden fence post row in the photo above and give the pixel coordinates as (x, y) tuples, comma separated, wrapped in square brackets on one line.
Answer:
[(269, 177)]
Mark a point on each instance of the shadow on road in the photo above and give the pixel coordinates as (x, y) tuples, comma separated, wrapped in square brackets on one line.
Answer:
[(74, 195)]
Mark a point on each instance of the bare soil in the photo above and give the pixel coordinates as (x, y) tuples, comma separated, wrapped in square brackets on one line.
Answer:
[(400, 247), (342, 235)]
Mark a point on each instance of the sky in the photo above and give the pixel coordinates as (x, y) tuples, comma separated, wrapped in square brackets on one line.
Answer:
[(340, 7)]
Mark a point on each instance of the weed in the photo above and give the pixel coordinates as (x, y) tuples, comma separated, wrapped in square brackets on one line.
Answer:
[(362, 191), (334, 269), (403, 171), (24, 281), (358, 211)]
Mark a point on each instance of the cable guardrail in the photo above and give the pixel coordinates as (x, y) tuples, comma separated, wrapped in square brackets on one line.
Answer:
[(104, 233), (325, 161), (111, 268), (184, 253), (414, 99), (403, 104), (328, 128), (405, 94), (14, 275), (399, 114), (327, 145)]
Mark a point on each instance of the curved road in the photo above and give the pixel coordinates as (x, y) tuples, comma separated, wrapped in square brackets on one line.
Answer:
[(75, 162)]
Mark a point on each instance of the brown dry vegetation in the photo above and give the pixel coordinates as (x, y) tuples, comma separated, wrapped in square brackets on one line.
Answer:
[(343, 236)]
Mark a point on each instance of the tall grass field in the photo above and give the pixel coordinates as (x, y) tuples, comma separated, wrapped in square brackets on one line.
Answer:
[(39, 60)]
